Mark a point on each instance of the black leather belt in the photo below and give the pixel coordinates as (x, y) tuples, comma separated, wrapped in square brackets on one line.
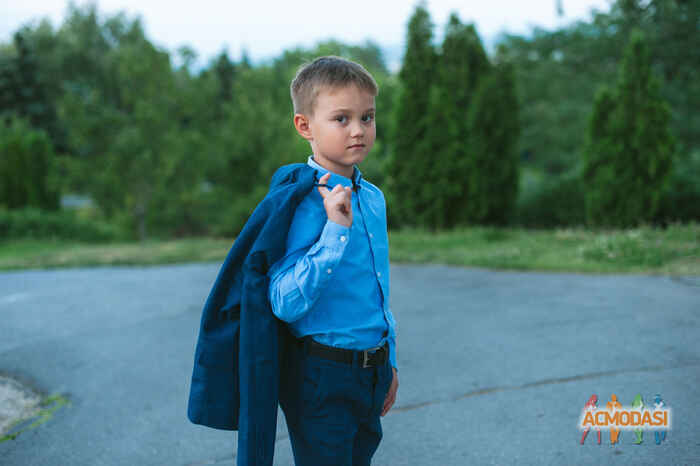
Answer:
[(370, 357)]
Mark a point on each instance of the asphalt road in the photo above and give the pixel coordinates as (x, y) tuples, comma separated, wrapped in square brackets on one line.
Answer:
[(494, 366)]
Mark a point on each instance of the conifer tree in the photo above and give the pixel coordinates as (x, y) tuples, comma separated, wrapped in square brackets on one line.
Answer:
[(491, 166), (407, 194), (628, 152), (462, 64), (26, 174), (23, 94)]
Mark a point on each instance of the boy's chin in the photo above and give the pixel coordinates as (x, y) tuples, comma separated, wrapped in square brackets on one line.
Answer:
[(358, 156)]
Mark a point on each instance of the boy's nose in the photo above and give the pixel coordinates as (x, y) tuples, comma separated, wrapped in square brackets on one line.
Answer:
[(356, 130)]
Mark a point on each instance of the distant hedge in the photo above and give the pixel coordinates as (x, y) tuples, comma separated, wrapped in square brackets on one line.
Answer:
[(31, 222), (552, 202)]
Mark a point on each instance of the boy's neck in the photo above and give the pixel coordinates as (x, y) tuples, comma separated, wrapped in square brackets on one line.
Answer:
[(324, 163)]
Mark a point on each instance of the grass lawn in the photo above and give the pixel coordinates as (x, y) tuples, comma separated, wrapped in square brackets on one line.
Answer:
[(674, 251)]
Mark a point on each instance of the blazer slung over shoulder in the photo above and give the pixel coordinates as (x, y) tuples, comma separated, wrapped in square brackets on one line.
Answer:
[(239, 374)]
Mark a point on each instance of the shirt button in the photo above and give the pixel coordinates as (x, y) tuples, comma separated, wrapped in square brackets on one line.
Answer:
[(370, 235), (329, 271), (342, 238), (379, 274)]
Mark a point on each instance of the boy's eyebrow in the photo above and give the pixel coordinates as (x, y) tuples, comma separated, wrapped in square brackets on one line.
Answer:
[(371, 109)]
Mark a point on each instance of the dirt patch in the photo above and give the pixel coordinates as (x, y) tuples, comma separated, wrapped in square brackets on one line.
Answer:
[(16, 402)]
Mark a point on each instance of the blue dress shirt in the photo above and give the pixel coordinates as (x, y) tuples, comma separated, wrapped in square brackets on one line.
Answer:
[(335, 286)]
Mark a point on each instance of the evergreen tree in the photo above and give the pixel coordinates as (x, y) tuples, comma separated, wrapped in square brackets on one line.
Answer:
[(26, 173), (463, 63), (22, 92), (628, 153), (410, 158), (491, 167), (226, 73)]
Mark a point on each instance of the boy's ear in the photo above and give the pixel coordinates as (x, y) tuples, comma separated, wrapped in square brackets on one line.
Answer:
[(301, 123)]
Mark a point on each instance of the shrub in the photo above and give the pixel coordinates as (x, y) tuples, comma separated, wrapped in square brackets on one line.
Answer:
[(31, 222)]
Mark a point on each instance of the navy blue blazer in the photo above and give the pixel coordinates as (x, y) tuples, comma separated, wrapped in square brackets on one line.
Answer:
[(243, 361)]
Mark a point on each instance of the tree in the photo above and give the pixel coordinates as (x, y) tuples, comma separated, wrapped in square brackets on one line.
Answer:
[(23, 91), (628, 152), (410, 158), (226, 74), (462, 63), (26, 172), (491, 166)]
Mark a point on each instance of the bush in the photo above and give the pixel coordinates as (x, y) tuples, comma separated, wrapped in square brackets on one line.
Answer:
[(31, 222), (236, 212), (680, 202), (26, 162), (552, 202)]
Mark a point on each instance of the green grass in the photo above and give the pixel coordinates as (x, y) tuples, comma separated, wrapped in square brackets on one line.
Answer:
[(32, 253), (674, 251)]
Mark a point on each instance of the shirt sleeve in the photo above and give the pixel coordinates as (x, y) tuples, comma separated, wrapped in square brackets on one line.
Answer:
[(392, 342), (297, 280)]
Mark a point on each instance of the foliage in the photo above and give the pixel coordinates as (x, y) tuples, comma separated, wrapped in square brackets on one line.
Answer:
[(680, 201), (462, 63), (464, 146), (492, 163), (32, 222), (552, 201), (26, 157), (406, 193), (627, 158), (23, 91), (559, 71), (166, 150)]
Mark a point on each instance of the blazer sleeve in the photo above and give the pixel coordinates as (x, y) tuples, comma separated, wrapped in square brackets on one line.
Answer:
[(296, 281)]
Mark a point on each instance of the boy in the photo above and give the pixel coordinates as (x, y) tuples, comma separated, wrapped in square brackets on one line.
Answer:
[(334, 292)]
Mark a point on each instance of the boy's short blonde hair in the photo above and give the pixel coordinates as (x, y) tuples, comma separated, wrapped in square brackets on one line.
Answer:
[(329, 71)]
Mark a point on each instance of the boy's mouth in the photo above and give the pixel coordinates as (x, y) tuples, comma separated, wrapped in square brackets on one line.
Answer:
[(356, 145)]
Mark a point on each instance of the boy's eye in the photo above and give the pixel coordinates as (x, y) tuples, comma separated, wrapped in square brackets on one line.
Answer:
[(366, 118)]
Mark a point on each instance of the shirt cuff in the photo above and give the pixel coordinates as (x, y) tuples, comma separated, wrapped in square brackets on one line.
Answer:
[(392, 353), (334, 235)]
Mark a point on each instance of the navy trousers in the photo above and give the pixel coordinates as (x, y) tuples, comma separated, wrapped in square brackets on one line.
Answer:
[(338, 418)]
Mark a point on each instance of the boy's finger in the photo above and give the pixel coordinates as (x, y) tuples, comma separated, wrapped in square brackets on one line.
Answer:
[(328, 192), (348, 204), (323, 190), (387, 403), (390, 404)]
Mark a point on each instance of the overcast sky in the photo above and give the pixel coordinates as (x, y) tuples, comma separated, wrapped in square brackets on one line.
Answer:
[(265, 28)]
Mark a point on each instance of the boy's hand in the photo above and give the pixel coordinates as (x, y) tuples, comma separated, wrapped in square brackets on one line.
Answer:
[(391, 394), (337, 201)]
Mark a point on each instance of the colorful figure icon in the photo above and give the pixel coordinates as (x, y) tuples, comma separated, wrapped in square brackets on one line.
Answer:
[(638, 405), (591, 405), (660, 436), (612, 406)]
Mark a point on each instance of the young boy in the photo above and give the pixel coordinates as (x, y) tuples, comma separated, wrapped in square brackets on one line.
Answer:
[(332, 285)]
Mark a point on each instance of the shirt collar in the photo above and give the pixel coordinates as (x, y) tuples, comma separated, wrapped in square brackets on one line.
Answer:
[(335, 178)]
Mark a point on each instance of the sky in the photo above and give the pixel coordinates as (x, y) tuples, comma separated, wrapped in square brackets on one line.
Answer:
[(265, 28)]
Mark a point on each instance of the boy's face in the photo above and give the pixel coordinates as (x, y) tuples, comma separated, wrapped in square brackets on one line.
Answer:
[(341, 130)]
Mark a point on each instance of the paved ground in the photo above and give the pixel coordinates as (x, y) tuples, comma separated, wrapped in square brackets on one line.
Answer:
[(494, 366)]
